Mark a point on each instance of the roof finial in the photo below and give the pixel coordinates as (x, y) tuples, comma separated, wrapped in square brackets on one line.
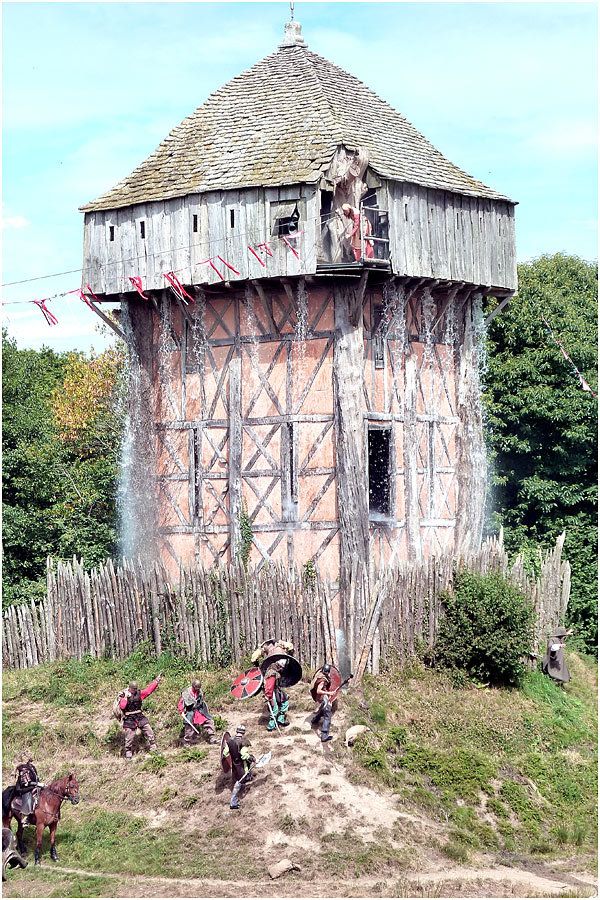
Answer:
[(292, 35)]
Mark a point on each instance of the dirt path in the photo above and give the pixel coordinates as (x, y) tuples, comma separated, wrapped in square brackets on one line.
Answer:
[(506, 876)]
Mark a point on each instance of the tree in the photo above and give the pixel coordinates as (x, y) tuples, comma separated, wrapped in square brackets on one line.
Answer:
[(541, 424), (62, 425)]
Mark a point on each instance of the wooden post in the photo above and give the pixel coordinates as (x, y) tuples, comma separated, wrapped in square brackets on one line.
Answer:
[(411, 487), (352, 487), (235, 453)]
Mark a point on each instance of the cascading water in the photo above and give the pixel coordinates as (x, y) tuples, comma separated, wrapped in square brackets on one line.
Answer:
[(166, 346), (136, 497), (428, 307)]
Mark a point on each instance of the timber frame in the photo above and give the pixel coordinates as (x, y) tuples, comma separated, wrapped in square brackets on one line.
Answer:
[(261, 400)]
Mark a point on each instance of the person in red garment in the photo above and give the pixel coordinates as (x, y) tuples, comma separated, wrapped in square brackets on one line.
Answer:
[(194, 710), (130, 702), (353, 233)]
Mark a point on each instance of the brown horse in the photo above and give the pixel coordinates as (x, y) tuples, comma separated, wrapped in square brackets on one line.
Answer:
[(46, 813)]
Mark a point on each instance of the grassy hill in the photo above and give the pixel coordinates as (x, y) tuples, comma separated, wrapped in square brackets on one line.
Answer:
[(453, 790)]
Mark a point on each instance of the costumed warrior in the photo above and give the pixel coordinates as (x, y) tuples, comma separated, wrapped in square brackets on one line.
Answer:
[(194, 710), (27, 788), (238, 749), (554, 663), (276, 698), (269, 647), (321, 692), (130, 703), (353, 234)]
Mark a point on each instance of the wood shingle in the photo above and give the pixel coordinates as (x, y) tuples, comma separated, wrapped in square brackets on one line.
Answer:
[(280, 123)]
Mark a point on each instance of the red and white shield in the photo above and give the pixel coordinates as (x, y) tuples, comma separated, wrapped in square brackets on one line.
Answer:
[(247, 684), (335, 681)]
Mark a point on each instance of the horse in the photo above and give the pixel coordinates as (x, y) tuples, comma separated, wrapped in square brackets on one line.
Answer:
[(46, 813)]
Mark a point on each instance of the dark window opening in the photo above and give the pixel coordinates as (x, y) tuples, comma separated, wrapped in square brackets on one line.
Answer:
[(378, 336), (380, 504), (111, 232), (326, 205), (232, 217), (143, 230), (287, 217), (195, 224)]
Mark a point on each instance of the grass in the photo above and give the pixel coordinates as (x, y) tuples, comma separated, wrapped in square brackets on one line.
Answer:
[(501, 767), (43, 881), (345, 855), (105, 841)]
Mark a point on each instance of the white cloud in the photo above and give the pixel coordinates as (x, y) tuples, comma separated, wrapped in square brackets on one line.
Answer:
[(11, 222)]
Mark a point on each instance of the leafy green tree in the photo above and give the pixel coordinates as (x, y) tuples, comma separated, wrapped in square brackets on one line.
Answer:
[(542, 424), (60, 462)]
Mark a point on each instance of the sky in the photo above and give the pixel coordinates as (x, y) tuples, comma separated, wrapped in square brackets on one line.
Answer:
[(507, 91)]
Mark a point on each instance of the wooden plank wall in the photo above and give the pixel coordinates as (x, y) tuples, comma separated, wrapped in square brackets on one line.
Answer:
[(216, 616), (436, 234), (170, 243)]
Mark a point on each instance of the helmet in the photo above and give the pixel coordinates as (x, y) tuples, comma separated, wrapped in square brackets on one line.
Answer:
[(196, 686), (326, 669), (241, 729)]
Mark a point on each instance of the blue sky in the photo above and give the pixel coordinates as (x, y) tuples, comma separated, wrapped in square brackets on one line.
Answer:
[(505, 90)]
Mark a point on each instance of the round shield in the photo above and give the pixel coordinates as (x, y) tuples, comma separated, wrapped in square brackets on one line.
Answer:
[(225, 760), (292, 671), (247, 684), (335, 682)]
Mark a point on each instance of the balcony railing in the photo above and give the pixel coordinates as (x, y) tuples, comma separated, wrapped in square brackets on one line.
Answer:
[(346, 241)]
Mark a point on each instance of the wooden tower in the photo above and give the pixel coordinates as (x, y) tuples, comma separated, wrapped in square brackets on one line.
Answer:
[(322, 387)]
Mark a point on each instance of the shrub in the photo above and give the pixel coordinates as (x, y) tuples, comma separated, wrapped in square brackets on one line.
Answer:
[(487, 629)]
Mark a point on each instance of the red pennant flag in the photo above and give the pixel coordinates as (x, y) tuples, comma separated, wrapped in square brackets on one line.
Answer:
[(177, 287), (137, 283), (48, 315), (225, 263), (259, 258)]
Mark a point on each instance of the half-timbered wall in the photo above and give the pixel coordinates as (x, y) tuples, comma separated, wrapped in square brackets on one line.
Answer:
[(246, 420), (437, 234), (181, 234)]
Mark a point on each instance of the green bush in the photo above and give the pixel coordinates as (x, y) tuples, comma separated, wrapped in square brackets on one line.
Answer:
[(487, 629)]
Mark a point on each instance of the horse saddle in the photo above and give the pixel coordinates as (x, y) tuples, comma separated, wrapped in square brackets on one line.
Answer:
[(25, 804)]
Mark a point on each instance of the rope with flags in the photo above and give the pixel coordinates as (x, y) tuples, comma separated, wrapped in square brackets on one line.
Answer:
[(584, 384), (89, 298)]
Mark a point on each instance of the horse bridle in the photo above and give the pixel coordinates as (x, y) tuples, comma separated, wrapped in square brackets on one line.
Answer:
[(66, 796)]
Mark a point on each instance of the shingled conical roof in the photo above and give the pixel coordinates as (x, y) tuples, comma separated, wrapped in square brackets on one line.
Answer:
[(280, 123)]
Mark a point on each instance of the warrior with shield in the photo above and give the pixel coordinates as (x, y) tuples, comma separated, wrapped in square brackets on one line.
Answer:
[(276, 698), (325, 689), (194, 710), (269, 647)]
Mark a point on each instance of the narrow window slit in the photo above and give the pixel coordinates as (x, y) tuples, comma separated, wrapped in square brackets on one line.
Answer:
[(195, 224), (143, 230), (232, 217), (111, 232), (378, 337)]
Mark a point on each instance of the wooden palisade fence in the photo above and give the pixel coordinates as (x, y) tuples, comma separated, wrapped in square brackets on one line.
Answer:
[(218, 616)]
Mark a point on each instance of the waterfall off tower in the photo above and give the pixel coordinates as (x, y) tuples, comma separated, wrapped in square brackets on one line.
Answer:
[(301, 276)]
